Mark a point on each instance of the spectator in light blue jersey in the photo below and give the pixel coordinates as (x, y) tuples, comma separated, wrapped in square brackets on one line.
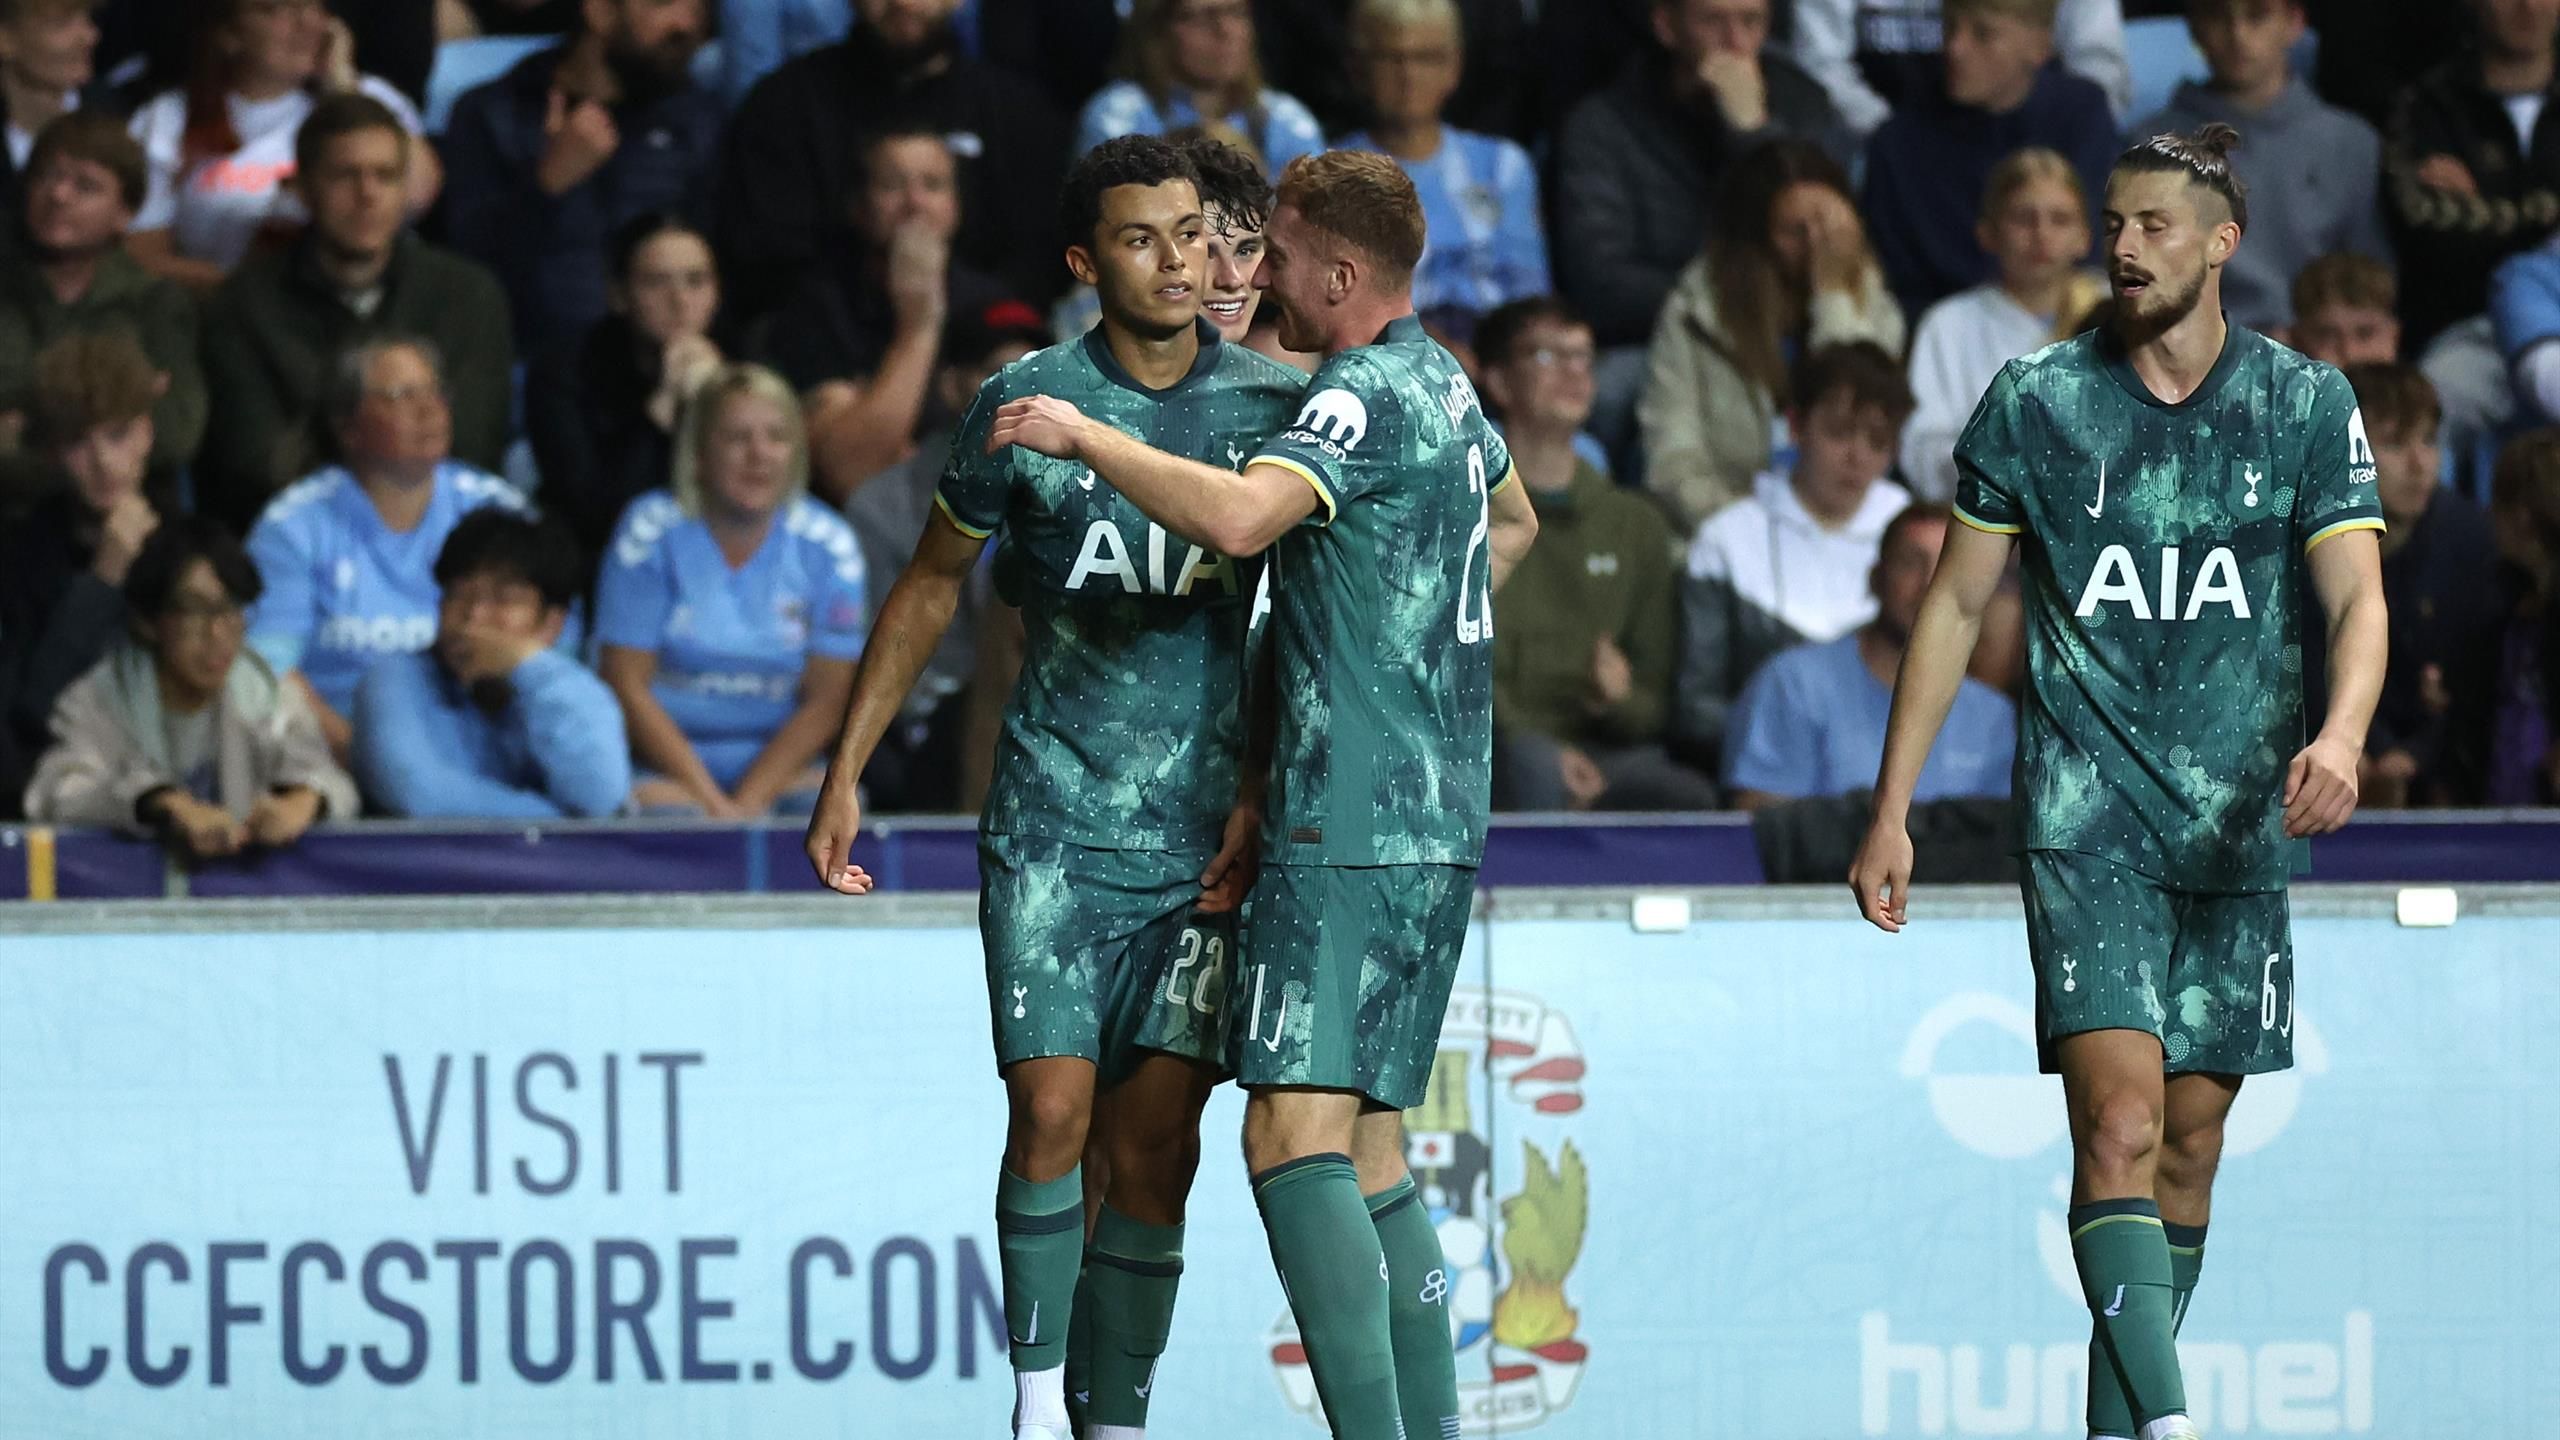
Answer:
[(493, 721), (1194, 62), (348, 555), (1812, 722), (731, 609), (1479, 192)]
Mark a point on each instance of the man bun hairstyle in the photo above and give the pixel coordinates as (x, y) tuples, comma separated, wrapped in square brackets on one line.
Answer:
[(2203, 155), (1125, 160), (1363, 199)]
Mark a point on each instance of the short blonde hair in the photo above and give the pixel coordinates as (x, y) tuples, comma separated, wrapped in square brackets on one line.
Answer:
[(1368, 17), (735, 382), (2032, 166)]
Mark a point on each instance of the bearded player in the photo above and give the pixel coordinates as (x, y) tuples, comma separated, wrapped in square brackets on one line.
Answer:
[(2186, 490), (1110, 795), (1390, 511)]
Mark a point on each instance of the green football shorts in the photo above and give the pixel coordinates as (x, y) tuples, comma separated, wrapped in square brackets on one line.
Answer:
[(1098, 953), (1350, 977), (2210, 975)]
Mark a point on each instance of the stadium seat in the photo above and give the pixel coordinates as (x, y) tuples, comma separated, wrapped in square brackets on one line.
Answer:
[(2161, 56), (462, 64)]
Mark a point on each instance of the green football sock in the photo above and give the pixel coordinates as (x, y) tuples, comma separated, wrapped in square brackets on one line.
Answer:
[(1132, 1271), (1417, 1312), (1331, 1264), (2124, 1275), (2186, 1264), (1040, 1233), (1080, 1352)]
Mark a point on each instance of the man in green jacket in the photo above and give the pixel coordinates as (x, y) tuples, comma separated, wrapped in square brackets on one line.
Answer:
[(275, 328), (1584, 637), (70, 274)]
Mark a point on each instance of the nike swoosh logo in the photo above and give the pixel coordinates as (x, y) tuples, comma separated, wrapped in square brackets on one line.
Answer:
[(1279, 1027), (1034, 1337), (1144, 1390), (2102, 492), (2113, 1309)]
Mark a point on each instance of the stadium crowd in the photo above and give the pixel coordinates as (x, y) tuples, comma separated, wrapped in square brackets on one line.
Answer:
[(544, 448)]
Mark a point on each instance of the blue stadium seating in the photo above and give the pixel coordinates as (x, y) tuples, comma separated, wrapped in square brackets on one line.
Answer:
[(463, 64)]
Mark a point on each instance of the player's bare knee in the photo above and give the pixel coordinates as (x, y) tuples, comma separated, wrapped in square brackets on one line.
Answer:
[(1048, 1128), (2119, 1132), (2189, 1157)]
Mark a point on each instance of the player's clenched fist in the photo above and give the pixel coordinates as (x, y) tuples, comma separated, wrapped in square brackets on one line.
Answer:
[(833, 824), (2320, 788), (1881, 877), (1051, 427)]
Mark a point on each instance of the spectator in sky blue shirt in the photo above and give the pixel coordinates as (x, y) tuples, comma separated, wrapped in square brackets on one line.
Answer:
[(493, 721), (731, 609), (348, 555), (1194, 62), (1479, 192), (1812, 722)]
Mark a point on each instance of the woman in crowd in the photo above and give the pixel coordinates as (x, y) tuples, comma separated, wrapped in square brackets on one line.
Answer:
[(348, 555), (63, 564), (221, 149), (181, 732), (2524, 510), (1479, 192), (602, 410), (2035, 223), (1787, 270), (731, 609), (1194, 60)]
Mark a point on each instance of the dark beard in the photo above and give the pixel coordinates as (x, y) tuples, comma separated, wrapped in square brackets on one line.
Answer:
[(2137, 323), (647, 75)]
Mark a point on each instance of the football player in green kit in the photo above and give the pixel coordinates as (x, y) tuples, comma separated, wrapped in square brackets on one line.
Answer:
[(2186, 491), (1390, 513), (1116, 772)]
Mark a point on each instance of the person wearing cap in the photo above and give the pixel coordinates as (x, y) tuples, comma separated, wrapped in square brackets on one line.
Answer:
[(917, 767)]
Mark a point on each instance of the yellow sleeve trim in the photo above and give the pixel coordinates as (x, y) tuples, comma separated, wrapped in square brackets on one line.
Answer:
[(963, 526), (2366, 522), (1507, 477), (1331, 510), (1985, 526)]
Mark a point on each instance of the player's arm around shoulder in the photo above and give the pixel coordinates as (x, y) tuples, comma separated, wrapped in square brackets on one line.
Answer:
[(1229, 512), (1933, 670)]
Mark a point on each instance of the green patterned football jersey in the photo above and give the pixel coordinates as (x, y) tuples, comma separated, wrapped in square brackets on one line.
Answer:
[(1382, 613), (2167, 598), (1124, 730)]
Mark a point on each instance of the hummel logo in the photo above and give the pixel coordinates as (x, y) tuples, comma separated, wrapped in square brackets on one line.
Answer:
[(2114, 1307), (2102, 492), (1034, 1337)]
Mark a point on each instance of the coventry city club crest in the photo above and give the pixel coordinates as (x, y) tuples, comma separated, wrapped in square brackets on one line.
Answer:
[(1519, 1355)]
